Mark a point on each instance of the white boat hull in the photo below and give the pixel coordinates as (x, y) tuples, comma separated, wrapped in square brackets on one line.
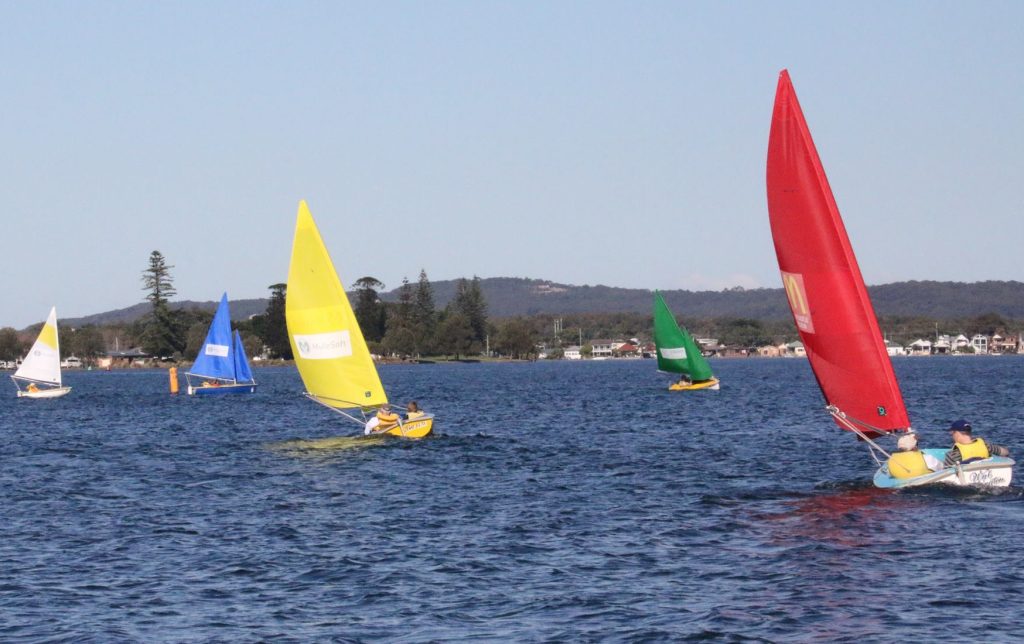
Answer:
[(55, 392), (996, 471)]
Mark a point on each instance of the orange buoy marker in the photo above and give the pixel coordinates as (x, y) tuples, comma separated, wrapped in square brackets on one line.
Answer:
[(173, 373)]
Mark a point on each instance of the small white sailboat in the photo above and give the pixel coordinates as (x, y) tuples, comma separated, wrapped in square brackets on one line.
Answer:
[(39, 372), (330, 351)]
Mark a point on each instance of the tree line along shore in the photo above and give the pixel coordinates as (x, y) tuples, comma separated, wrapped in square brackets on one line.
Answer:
[(413, 326)]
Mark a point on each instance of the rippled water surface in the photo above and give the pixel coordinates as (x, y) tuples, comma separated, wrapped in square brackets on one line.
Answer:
[(557, 501)]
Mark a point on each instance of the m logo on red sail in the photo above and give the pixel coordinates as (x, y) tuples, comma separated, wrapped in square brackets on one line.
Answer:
[(797, 294)]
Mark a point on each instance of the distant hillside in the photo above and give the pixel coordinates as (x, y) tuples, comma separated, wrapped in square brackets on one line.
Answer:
[(240, 310), (511, 296)]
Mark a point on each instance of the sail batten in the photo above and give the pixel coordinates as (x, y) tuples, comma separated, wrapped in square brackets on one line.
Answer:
[(823, 283), (677, 352), (328, 345)]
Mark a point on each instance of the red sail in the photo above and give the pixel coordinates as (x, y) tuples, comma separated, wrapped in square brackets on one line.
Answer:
[(826, 291)]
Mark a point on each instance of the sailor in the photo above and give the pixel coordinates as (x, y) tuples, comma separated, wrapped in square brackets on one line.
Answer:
[(967, 448), (909, 461), (32, 388), (382, 421), (412, 410)]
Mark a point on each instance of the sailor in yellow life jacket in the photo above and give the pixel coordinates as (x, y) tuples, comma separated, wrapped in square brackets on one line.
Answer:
[(382, 421), (968, 448), (909, 461), (412, 410)]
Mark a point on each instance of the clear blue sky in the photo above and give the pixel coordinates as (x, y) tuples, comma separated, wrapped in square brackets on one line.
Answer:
[(588, 143)]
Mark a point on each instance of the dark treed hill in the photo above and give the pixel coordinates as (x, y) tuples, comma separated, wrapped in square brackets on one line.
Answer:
[(240, 310), (509, 296)]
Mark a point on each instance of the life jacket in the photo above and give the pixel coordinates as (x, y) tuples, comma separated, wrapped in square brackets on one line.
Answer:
[(412, 415), (386, 417), (976, 450), (907, 465)]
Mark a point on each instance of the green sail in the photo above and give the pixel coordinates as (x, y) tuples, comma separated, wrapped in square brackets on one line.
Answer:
[(677, 352)]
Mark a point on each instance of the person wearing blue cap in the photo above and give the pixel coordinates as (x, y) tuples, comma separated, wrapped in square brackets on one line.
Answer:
[(967, 448)]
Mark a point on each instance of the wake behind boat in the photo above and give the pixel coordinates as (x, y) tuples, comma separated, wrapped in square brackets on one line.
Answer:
[(221, 366), (39, 372), (830, 303), (678, 353), (330, 351)]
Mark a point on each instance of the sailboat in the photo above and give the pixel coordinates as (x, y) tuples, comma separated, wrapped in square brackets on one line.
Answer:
[(40, 370), (328, 345), (677, 352), (830, 303), (221, 366)]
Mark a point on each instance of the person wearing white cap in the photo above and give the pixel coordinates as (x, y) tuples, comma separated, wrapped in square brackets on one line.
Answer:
[(909, 461)]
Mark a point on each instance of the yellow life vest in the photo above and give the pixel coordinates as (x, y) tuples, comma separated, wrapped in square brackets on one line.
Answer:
[(907, 465), (412, 415), (387, 418), (973, 451)]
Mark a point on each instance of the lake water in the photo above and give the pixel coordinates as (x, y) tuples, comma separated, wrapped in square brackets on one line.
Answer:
[(557, 501)]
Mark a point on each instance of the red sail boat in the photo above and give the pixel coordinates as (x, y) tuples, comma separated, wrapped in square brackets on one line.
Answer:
[(826, 291)]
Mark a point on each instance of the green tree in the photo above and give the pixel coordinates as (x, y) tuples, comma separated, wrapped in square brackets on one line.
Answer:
[(399, 340), (515, 338), (253, 345), (195, 336), (273, 327), (455, 336), (10, 345), (162, 335), (86, 343), (424, 316), (986, 324), (469, 301), (370, 311)]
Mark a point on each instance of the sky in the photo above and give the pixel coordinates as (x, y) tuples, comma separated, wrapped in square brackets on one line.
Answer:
[(615, 143)]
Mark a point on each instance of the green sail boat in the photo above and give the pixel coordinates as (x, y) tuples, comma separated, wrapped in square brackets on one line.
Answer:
[(678, 353)]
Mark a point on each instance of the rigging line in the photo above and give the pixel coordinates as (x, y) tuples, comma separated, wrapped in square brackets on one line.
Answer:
[(849, 424)]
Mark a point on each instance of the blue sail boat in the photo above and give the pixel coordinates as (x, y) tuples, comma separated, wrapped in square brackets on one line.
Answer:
[(221, 366)]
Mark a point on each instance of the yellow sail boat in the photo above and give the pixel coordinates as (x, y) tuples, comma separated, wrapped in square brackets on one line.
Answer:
[(329, 348)]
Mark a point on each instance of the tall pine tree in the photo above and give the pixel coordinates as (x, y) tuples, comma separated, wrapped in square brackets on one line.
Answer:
[(161, 335), (275, 327), (424, 317)]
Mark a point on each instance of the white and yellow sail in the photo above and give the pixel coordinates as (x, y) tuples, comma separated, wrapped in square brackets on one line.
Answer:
[(328, 345), (42, 364)]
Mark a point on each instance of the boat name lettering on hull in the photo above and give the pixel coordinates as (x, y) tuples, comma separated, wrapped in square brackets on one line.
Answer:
[(324, 346), (797, 294), (219, 350)]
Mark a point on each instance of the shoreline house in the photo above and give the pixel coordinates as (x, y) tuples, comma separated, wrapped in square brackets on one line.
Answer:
[(894, 348), (572, 353), (980, 344), (921, 347), (602, 348)]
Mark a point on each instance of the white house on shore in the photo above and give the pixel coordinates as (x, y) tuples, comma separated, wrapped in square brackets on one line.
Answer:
[(573, 353)]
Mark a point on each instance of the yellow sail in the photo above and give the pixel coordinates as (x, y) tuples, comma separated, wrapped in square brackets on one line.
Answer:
[(328, 345)]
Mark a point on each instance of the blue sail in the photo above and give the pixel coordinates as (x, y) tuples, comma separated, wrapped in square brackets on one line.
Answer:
[(215, 358), (242, 371)]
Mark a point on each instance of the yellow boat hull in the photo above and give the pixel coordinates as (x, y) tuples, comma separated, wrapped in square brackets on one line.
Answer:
[(694, 386), (418, 428)]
